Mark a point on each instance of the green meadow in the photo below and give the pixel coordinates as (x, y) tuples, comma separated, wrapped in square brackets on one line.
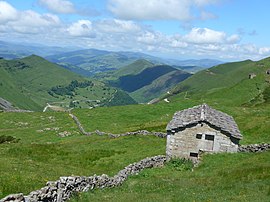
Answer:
[(40, 155)]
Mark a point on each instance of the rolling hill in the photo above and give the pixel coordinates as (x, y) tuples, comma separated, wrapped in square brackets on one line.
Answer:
[(93, 60), (144, 80), (229, 80), (32, 82)]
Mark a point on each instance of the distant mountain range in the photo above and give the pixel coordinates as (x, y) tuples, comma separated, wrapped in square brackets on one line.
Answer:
[(91, 61), (14, 50)]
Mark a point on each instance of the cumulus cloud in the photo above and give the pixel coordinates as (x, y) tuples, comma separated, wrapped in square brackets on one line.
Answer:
[(26, 21), (159, 9), (233, 38), (150, 38), (209, 36), (81, 28), (7, 12), (117, 26), (264, 50), (58, 6), (32, 22)]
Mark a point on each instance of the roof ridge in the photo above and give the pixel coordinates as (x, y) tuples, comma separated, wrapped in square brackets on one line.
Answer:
[(202, 117)]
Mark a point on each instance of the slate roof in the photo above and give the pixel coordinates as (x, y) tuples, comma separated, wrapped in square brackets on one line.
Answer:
[(204, 113)]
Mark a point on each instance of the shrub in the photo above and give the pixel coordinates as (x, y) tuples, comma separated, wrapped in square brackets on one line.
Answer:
[(4, 138)]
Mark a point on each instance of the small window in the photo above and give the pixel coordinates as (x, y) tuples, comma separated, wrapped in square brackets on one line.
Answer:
[(210, 137), (199, 136), (193, 154)]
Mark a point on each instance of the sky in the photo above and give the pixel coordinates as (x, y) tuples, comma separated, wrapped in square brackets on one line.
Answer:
[(227, 30)]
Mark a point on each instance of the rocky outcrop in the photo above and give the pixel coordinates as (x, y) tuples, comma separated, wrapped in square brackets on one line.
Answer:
[(14, 198), (253, 148), (5, 105), (8, 107), (65, 187)]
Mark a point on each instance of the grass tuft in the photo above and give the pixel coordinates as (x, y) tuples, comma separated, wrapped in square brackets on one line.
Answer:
[(180, 164)]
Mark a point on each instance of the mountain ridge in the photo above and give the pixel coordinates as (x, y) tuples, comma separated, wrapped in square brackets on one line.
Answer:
[(144, 80)]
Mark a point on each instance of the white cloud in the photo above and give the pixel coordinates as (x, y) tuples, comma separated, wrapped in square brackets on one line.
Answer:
[(7, 12), (32, 22), (159, 9), (264, 50), (58, 6), (176, 41), (233, 38), (31, 18), (27, 21), (117, 26), (81, 28), (209, 36), (204, 36), (149, 38)]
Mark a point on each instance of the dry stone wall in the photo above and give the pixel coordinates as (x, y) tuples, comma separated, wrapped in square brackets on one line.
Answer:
[(62, 189), (139, 132), (253, 148)]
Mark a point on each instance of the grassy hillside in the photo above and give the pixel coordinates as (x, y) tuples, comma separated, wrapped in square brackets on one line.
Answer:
[(130, 69), (37, 81), (10, 91), (132, 83), (133, 68), (229, 80), (144, 80), (160, 85)]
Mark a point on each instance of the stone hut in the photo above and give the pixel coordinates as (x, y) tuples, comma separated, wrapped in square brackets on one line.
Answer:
[(251, 75), (268, 71), (201, 128)]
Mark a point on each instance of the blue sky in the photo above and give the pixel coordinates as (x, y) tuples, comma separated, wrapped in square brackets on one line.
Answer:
[(183, 29)]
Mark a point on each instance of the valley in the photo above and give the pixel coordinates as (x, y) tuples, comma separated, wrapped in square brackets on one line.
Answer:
[(32, 82), (37, 146)]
